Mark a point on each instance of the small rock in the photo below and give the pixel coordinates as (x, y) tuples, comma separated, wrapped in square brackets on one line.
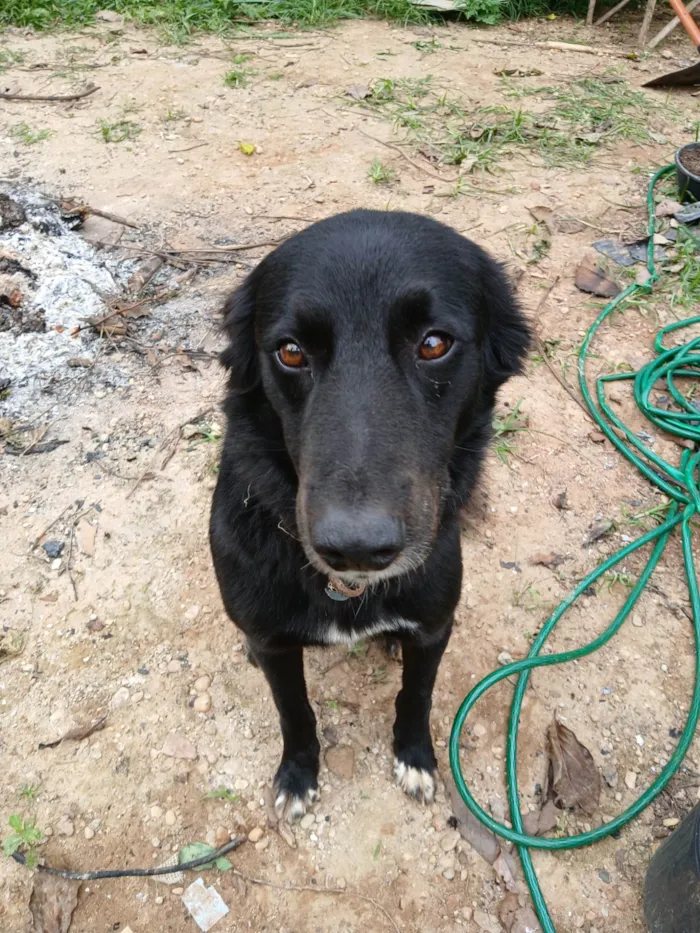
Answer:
[(262, 844), (610, 776), (671, 822), (53, 549), (504, 658), (174, 666), (119, 698), (485, 923), (159, 900), (341, 883), (202, 684), (255, 835), (240, 784), (307, 821), (448, 874), (156, 813), (202, 704), (170, 818), (222, 836), (177, 746), (604, 876), (479, 731), (89, 832), (65, 827), (341, 761), (631, 780), (177, 891), (449, 840), (330, 734), (137, 697), (109, 16), (192, 613)]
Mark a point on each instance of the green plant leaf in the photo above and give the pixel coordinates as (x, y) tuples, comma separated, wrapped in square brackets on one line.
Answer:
[(15, 822), (223, 864), (11, 844)]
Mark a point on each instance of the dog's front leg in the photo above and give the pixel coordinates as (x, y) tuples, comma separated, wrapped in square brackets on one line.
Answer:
[(296, 781), (414, 762)]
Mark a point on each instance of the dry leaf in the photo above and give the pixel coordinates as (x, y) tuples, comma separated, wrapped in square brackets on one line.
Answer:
[(359, 92), (596, 436), (541, 821), (504, 866), (574, 778), (510, 905), (547, 559), (598, 531), (594, 281), (52, 903), (543, 215), (86, 533), (475, 833), (78, 733)]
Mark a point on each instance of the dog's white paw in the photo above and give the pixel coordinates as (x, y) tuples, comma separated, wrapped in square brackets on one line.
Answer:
[(416, 782), (291, 807)]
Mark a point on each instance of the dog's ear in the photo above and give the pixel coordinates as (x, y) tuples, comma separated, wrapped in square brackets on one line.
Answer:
[(240, 356), (507, 334)]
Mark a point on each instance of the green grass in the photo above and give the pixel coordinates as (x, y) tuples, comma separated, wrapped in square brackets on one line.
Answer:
[(504, 427), (236, 78), (222, 793), (577, 120), (381, 174), (8, 58), (181, 18), (24, 134), (28, 792), (118, 131)]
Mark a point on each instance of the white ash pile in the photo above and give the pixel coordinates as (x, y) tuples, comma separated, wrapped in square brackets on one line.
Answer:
[(51, 281)]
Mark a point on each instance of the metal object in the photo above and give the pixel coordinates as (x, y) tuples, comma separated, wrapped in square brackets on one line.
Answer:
[(685, 77)]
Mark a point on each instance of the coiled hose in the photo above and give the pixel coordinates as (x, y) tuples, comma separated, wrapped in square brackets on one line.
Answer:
[(680, 484)]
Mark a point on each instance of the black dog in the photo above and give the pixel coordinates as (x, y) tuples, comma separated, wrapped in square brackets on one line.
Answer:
[(364, 358)]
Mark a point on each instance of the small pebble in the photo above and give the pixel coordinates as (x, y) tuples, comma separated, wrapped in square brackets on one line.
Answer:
[(89, 833), (202, 704), (449, 841), (170, 818), (262, 844), (174, 666), (671, 821), (202, 684), (479, 731), (631, 780), (119, 698), (222, 836), (159, 900), (604, 876), (255, 835), (156, 813), (307, 821), (449, 874), (65, 827), (177, 891), (137, 697), (341, 883)]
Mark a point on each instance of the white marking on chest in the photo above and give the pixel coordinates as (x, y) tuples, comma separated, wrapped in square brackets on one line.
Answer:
[(333, 635)]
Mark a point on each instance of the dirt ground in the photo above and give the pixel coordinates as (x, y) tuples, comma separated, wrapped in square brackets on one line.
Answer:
[(141, 621)]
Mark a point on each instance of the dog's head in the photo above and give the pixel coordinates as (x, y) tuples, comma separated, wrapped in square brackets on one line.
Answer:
[(376, 342)]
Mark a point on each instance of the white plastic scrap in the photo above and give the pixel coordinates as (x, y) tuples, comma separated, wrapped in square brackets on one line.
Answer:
[(205, 905)]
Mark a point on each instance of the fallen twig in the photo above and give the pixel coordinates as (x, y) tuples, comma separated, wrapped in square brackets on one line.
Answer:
[(166, 440), (188, 148), (85, 210), (416, 165), (545, 359), (90, 89), (336, 891)]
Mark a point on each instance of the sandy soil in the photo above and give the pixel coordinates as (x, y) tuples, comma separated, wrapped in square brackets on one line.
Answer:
[(145, 621)]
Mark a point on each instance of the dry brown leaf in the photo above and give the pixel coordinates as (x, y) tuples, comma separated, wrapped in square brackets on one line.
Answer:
[(52, 903), (78, 733), (541, 821), (477, 835), (598, 531), (574, 779), (595, 282), (504, 866), (547, 559)]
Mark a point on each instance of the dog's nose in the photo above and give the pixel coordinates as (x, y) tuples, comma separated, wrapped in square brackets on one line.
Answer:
[(361, 540)]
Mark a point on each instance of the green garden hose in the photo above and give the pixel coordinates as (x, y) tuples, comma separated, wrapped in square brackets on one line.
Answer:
[(680, 483)]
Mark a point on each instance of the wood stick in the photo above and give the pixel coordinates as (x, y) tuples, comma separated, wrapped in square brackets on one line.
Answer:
[(646, 22), (669, 27), (59, 98), (591, 11), (606, 16)]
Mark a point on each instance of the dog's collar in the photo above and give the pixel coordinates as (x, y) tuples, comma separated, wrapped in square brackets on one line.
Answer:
[(340, 591)]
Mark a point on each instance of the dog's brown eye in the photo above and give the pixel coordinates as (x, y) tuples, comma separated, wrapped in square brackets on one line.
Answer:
[(434, 346), (289, 354)]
